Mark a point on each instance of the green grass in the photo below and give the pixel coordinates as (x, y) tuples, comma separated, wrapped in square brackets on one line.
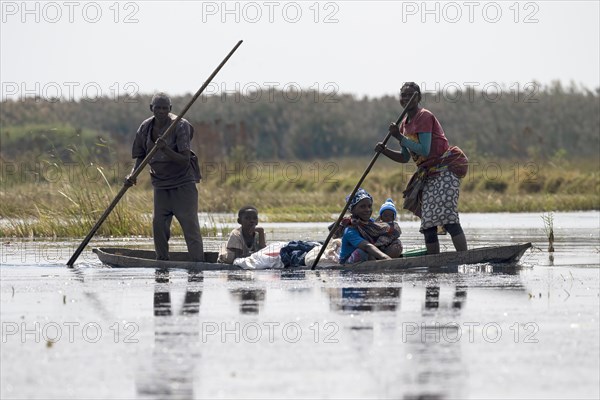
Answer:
[(69, 200)]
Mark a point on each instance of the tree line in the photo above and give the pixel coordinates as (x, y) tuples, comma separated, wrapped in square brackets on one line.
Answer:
[(539, 122)]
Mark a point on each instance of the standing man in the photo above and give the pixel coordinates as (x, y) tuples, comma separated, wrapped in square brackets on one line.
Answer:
[(174, 171)]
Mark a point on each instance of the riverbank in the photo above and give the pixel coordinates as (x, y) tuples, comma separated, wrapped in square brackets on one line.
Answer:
[(59, 200)]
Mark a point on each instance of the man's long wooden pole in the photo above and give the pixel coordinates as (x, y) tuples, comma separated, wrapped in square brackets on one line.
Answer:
[(360, 181), (147, 159)]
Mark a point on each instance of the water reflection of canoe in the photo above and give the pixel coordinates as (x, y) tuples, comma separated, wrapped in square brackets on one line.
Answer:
[(129, 258)]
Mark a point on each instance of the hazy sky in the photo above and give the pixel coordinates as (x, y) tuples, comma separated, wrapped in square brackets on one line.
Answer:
[(78, 49)]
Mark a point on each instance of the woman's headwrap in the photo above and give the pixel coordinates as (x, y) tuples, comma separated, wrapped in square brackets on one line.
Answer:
[(360, 194)]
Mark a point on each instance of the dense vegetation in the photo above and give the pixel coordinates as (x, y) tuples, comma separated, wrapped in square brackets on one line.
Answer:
[(63, 162), (276, 125), (66, 199)]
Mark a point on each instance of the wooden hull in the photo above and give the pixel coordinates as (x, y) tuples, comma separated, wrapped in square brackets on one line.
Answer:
[(128, 258)]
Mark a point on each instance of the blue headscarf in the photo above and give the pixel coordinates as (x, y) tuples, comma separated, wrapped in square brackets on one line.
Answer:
[(361, 194)]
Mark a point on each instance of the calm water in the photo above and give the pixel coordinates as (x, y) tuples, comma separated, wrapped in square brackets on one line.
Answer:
[(530, 331)]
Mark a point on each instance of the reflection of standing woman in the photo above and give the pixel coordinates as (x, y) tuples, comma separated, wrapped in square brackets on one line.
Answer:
[(432, 193)]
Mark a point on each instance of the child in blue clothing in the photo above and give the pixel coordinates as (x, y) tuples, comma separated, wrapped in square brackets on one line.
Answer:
[(387, 212), (364, 238)]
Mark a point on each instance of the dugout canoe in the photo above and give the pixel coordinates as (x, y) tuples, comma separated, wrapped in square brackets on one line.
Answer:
[(129, 258)]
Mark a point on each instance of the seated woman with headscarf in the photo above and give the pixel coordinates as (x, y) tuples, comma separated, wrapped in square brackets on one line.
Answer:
[(364, 239)]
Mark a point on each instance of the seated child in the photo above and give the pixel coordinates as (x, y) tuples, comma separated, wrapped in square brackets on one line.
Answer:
[(387, 213), (366, 239), (246, 239)]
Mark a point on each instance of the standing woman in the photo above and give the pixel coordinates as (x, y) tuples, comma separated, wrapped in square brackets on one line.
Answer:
[(432, 192)]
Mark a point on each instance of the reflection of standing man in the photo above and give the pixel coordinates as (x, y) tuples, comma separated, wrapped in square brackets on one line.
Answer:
[(174, 172), (170, 372)]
